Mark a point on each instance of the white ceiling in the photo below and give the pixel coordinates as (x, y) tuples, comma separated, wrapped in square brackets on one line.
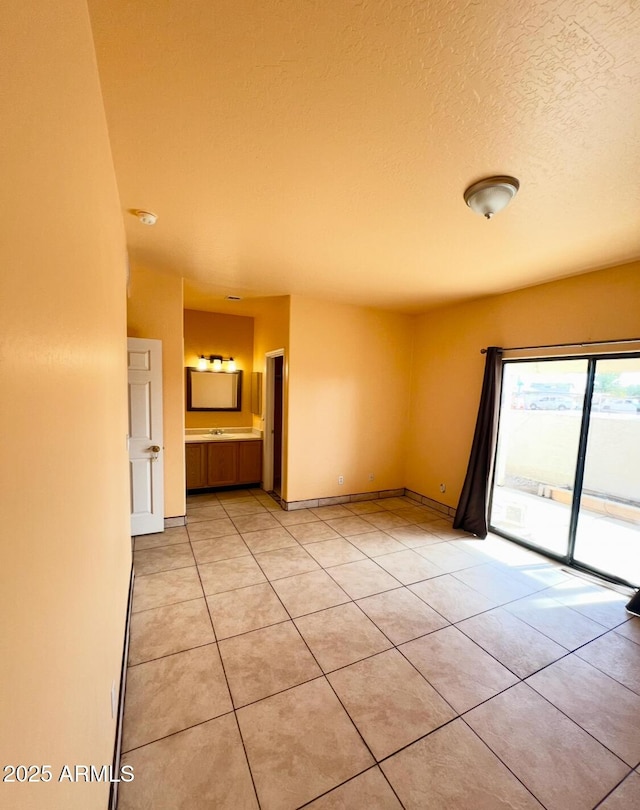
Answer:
[(323, 147)]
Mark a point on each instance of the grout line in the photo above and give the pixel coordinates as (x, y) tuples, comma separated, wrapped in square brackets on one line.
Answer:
[(246, 756), (222, 559), (226, 678), (160, 545), (595, 666), (495, 658), (174, 733), (338, 698), (169, 654), (576, 723), (604, 798), (373, 655), (515, 776), (371, 559), (168, 604), (323, 673), (388, 781), (164, 570), (350, 779)]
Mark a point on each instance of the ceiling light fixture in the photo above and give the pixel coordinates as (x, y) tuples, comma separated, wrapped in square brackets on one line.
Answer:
[(146, 217), (489, 196)]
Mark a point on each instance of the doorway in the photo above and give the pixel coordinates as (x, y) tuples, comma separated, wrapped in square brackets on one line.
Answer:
[(567, 478), (274, 423), (278, 380)]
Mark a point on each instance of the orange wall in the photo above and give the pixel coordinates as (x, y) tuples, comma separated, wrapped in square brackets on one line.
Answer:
[(231, 336), (66, 550), (448, 366), (348, 398), (155, 311)]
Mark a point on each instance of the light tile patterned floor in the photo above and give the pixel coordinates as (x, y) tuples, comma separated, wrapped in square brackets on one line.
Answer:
[(369, 657)]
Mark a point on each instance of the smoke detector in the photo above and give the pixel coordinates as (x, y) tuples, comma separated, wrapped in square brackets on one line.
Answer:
[(146, 217)]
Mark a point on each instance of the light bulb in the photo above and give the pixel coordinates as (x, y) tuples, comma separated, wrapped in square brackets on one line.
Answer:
[(231, 365), (202, 363), (217, 364)]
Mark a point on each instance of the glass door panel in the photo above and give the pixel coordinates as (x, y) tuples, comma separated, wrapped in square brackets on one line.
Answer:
[(538, 439), (608, 529)]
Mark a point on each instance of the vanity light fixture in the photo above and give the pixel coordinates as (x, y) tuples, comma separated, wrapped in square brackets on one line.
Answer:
[(216, 361), (489, 196)]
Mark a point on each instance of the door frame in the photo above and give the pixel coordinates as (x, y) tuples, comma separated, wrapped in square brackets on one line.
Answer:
[(268, 445)]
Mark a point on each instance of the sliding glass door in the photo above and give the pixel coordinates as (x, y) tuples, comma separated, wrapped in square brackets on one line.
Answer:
[(608, 525), (538, 440), (567, 471)]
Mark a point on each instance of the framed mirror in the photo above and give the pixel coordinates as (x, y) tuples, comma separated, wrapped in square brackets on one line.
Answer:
[(214, 390)]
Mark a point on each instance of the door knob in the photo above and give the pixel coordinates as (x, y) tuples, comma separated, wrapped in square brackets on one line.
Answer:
[(155, 449)]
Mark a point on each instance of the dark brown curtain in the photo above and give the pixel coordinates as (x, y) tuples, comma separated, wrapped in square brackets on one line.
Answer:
[(634, 605), (472, 513)]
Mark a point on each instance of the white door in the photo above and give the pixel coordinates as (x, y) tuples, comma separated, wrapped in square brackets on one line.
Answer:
[(146, 466)]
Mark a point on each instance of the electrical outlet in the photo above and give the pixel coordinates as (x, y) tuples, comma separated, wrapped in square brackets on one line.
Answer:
[(372, 477), (341, 479), (443, 487), (114, 700)]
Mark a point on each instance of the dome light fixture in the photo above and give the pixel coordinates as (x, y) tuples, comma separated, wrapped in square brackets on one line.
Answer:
[(489, 196)]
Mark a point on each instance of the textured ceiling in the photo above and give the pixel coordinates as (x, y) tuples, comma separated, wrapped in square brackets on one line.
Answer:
[(322, 147)]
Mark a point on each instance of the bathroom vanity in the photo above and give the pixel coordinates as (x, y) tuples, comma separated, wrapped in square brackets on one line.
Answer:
[(222, 460)]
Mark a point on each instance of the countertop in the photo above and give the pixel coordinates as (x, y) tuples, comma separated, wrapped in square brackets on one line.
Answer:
[(229, 435)]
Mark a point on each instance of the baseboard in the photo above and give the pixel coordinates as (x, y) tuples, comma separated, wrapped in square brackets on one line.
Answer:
[(425, 501), (314, 503), (117, 751)]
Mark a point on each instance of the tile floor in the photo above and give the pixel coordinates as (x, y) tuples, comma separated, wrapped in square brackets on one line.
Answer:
[(369, 656)]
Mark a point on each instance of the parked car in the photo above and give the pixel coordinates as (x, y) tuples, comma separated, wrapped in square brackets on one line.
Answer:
[(620, 406), (551, 403)]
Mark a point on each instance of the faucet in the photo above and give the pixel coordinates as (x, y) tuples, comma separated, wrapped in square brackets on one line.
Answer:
[(217, 431)]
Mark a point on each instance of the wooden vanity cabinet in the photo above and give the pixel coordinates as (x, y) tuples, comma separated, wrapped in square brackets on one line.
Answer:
[(196, 464), (223, 463), (249, 462)]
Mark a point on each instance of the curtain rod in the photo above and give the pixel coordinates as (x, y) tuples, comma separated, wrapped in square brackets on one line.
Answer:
[(564, 345)]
